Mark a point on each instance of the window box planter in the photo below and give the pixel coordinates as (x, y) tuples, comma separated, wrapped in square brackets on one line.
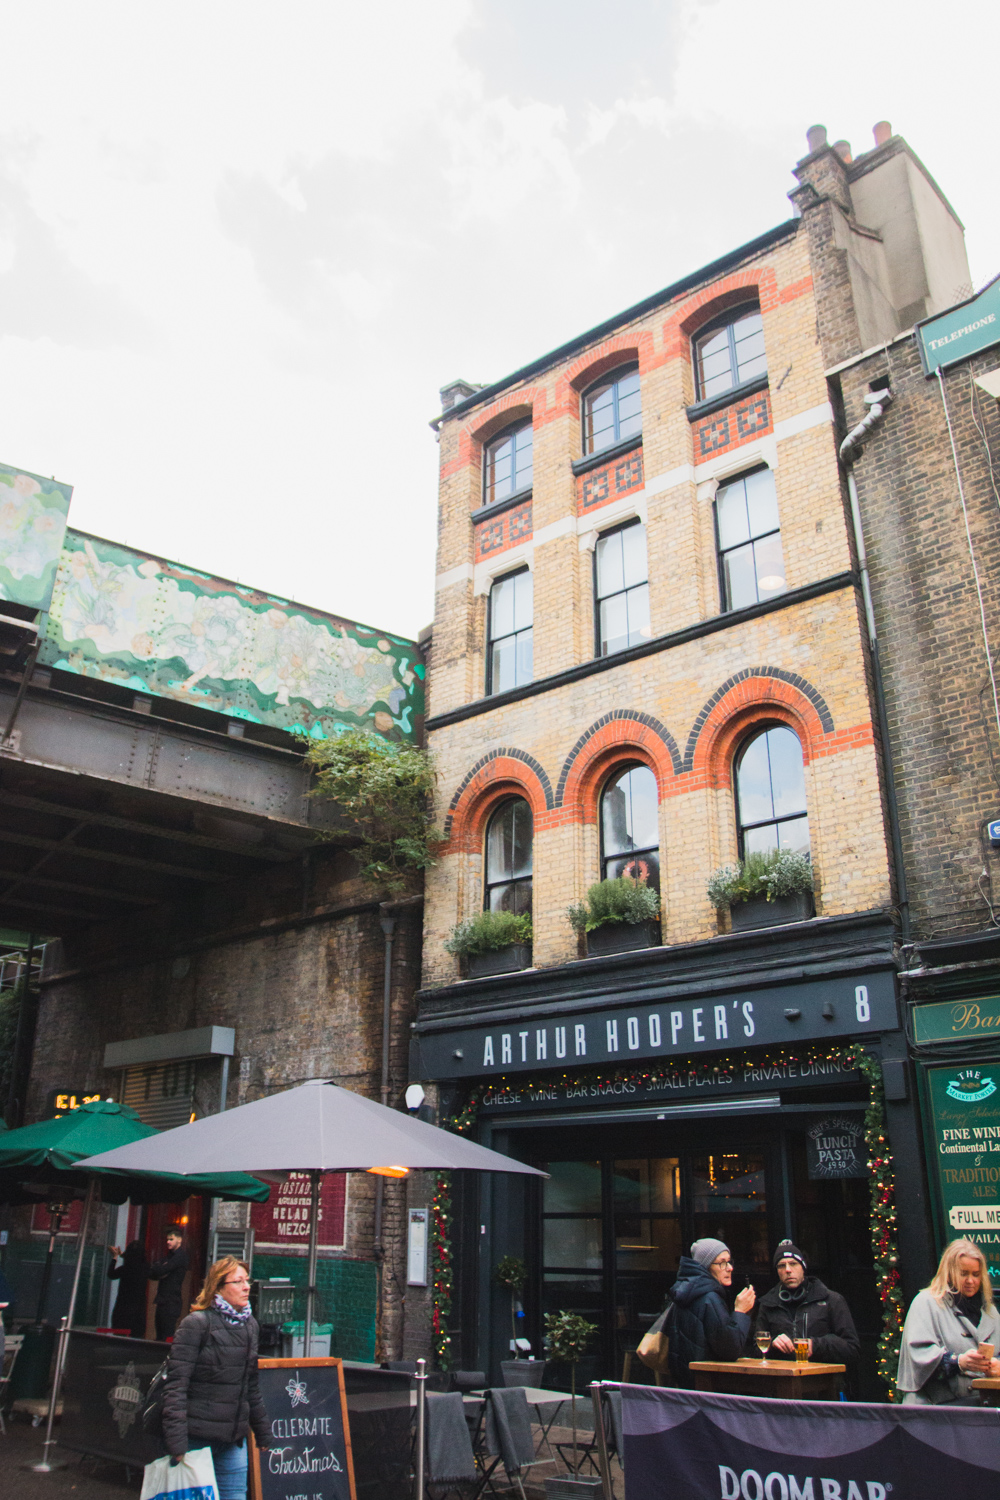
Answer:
[(759, 912), (500, 961), (622, 937)]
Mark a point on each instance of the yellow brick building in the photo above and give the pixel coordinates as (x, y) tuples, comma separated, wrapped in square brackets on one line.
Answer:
[(649, 658)]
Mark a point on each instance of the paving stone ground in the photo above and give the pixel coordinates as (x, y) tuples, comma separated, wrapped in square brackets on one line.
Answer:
[(87, 1479)]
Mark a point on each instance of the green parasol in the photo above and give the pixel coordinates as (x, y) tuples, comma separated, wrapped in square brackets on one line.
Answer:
[(35, 1157)]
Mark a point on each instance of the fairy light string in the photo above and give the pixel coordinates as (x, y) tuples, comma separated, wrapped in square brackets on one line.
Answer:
[(883, 1220)]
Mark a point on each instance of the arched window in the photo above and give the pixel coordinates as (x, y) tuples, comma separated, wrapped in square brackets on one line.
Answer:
[(630, 836), (729, 352), (508, 858), (771, 793), (612, 410), (507, 466)]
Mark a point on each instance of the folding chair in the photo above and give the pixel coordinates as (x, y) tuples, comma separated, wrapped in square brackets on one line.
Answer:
[(11, 1348), (451, 1461), (586, 1453), (505, 1437)]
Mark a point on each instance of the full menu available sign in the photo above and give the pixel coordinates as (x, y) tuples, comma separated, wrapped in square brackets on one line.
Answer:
[(282, 1223), (965, 1122)]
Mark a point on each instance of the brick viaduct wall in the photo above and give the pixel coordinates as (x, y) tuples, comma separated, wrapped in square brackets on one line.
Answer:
[(293, 959)]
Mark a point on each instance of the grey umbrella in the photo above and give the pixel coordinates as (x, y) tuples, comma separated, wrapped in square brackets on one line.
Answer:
[(314, 1128)]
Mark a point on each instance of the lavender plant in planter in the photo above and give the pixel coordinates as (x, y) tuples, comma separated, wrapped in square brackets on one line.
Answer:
[(492, 942), (765, 890), (618, 916)]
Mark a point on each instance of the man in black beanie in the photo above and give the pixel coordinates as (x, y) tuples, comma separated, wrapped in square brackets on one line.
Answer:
[(800, 1303)]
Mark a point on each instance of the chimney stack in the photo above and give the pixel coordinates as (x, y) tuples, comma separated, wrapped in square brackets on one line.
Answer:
[(843, 150), (816, 137), (882, 131)]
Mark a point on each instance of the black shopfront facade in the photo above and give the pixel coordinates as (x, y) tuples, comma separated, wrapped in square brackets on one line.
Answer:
[(703, 1089)]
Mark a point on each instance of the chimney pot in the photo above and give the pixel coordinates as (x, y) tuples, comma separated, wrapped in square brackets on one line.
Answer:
[(882, 131), (843, 149), (816, 137)]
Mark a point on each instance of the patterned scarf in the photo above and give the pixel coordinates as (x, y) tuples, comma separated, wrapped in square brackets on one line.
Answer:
[(233, 1315)]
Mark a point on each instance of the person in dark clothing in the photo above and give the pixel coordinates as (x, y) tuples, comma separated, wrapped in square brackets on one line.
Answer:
[(701, 1325), (801, 1303), (212, 1395), (170, 1273), (132, 1277)]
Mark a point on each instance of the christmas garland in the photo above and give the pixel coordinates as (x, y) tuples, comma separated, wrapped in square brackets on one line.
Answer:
[(883, 1198)]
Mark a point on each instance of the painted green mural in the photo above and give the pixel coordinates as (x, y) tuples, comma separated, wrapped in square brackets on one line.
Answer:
[(161, 628), (32, 527)]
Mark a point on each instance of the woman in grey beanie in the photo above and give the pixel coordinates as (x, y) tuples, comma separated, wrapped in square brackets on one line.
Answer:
[(702, 1327)]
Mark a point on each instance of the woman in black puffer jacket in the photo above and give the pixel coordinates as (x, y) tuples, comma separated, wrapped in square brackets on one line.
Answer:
[(212, 1398)]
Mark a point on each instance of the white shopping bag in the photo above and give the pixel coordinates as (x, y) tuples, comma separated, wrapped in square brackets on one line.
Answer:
[(192, 1479)]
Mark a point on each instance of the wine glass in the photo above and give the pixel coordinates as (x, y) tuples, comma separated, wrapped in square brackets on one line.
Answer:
[(762, 1338)]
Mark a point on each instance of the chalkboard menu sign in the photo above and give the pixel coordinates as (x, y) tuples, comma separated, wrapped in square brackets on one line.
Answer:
[(835, 1147), (310, 1453)]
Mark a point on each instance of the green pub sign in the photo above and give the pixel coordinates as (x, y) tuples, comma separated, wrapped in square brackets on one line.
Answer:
[(964, 1145), (956, 1020)]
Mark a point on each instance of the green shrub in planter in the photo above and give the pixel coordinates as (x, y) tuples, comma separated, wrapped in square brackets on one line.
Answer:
[(620, 900), (774, 875), (488, 932)]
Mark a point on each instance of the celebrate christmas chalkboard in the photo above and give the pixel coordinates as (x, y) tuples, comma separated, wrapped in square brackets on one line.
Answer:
[(310, 1453)]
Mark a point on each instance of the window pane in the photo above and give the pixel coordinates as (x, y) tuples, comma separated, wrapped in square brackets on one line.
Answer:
[(614, 625), (731, 509), (503, 665), (762, 502), (599, 419), (610, 576), (498, 845), (572, 1187), (524, 595), (639, 628), (648, 1244), (634, 567), (749, 368), (499, 470), (794, 835), (502, 607), (753, 782), (572, 1242), (524, 667), (524, 441), (714, 367), (582, 1295), (740, 576), (769, 566), (512, 895), (615, 817), (521, 838), (647, 1186), (730, 1183), (630, 425), (644, 867), (788, 785), (762, 840)]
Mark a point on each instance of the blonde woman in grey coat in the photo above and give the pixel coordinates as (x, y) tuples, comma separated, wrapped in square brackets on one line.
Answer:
[(947, 1323)]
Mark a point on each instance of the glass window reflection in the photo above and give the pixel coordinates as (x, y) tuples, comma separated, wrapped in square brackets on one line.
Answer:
[(508, 858), (771, 793), (630, 827)]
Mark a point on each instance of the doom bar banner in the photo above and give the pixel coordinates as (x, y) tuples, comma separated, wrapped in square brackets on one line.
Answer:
[(282, 1223), (708, 1447)]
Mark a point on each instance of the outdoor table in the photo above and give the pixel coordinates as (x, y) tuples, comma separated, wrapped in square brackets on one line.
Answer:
[(989, 1387), (790, 1380)]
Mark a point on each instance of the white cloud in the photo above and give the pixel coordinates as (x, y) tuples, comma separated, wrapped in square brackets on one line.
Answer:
[(242, 244)]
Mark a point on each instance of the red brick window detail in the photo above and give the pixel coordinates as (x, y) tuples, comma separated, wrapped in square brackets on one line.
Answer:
[(630, 837), (771, 793), (612, 410), (730, 351), (508, 464), (509, 837)]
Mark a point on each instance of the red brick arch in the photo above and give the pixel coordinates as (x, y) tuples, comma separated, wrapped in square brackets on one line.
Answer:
[(636, 344), (502, 773), (757, 697), (620, 736), (729, 292), (482, 425)]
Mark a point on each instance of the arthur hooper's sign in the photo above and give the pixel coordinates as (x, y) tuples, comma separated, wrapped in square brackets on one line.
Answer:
[(846, 1005), (708, 1447)]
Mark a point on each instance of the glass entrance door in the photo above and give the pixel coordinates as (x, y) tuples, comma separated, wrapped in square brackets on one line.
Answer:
[(614, 1228)]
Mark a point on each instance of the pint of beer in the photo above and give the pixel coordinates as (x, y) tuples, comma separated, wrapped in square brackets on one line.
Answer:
[(802, 1350)]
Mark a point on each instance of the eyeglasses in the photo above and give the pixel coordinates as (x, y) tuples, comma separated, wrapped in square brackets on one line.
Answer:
[(237, 1281), (724, 1265)]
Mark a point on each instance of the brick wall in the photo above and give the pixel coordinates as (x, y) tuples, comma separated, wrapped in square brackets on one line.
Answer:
[(940, 711)]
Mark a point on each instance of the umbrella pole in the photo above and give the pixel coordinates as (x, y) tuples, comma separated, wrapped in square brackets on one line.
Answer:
[(313, 1248), (46, 1464)]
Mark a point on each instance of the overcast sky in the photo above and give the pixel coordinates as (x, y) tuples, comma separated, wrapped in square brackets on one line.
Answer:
[(243, 244)]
